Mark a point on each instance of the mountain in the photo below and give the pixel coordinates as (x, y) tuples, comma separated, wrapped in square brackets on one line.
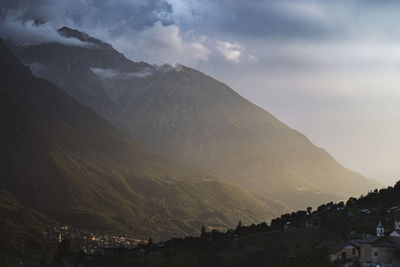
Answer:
[(188, 116), (63, 160), (21, 233)]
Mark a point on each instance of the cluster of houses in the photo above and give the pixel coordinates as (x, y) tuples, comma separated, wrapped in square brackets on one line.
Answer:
[(90, 242), (378, 250), (96, 243)]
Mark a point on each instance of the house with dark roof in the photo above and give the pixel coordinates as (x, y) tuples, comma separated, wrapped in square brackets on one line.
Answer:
[(396, 230), (377, 249), (341, 250), (395, 233)]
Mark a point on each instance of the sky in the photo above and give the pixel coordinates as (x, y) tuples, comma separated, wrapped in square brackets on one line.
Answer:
[(329, 69)]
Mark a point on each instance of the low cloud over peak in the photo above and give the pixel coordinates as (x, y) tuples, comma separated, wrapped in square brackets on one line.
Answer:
[(31, 32), (142, 30)]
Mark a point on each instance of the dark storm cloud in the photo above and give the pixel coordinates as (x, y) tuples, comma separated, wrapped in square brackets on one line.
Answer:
[(247, 19), (114, 17), (289, 19), (271, 19), (225, 20), (264, 18), (138, 13)]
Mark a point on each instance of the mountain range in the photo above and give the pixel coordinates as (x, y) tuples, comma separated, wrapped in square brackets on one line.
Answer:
[(63, 161), (185, 115)]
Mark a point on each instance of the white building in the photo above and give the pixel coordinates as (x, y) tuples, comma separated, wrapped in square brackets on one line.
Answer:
[(380, 230)]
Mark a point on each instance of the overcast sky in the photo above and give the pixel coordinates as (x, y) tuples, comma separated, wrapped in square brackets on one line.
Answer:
[(329, 69)]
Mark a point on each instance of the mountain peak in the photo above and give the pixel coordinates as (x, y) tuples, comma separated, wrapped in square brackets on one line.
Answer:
[(81, 36)]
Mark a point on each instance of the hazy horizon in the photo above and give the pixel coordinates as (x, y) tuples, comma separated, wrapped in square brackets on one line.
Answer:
[(328, 69)]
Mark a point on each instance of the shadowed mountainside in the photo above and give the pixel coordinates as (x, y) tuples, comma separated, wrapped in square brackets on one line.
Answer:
[(21, 233), (189, 116), (63, 160)]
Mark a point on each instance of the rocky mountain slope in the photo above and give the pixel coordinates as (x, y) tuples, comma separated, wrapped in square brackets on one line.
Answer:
[(60, 158), (189, 116)]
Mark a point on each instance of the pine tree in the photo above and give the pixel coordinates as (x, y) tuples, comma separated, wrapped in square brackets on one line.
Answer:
[(203, 233), (239, 226)]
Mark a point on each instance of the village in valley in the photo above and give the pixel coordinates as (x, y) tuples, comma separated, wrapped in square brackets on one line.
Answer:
[(90, 242), (358, 232)]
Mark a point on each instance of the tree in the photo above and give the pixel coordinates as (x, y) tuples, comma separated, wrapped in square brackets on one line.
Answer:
[(239, 226), (203, 233), (309, 209)]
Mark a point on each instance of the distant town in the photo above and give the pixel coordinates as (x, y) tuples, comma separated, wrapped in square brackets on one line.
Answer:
[(90, 242)]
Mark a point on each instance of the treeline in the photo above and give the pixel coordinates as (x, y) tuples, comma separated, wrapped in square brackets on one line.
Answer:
[(335, 217), (290, 240), (356, 214)]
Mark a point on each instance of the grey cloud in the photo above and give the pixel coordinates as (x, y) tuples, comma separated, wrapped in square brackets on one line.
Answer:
[(138, 13), (112, 73), (30, 32), (272, 19), (111, 18), (260, 18), (290, 19), (141, 29), (105, 73)]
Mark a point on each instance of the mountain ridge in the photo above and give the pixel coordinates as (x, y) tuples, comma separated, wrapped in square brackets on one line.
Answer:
[(186, 115), (63, 160)]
